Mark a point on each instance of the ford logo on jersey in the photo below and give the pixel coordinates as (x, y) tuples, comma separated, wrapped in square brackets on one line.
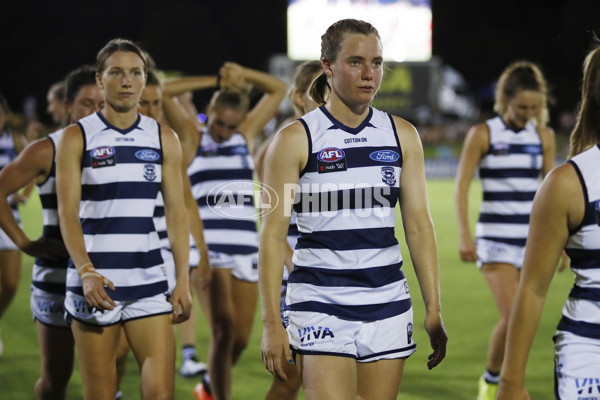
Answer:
[(147, 155), (331, 154), (384, 155), (102, 152)]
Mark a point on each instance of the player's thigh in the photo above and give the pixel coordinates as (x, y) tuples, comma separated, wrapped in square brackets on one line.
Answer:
[(327, 377), (380, 380)]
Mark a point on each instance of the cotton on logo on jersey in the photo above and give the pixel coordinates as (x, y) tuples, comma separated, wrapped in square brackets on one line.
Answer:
[(103, 156), (309, 336), (331, 159)]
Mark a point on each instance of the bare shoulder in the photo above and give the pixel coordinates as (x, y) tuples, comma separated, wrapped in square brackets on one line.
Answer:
[(407, 134), (546, 134), (292, 133)]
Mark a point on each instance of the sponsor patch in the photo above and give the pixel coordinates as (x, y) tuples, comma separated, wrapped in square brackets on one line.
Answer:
[(147, 155), (103, 156), (331, 159), (311, 335), (384, 156), (500, 149)]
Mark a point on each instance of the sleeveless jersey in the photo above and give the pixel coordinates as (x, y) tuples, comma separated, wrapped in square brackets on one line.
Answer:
[(120, 179), (221, 176), (510, 175), (347, 259), (50, 275), (581, 310), (7, 154)]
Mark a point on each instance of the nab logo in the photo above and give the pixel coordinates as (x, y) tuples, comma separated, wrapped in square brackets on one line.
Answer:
[(102, 152), (331, 154)]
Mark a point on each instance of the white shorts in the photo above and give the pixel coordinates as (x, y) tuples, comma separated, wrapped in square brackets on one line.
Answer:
[(6, 243), (577, 363), (497, 252), (243, 266), (78, 308), (48, 308), (322, 334)]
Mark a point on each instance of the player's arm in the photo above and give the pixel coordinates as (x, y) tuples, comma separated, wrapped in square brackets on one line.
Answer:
[(474, 147), (420, 235), (68, 188), (33, 164), (285, 158), (558, 206), (177, 224)]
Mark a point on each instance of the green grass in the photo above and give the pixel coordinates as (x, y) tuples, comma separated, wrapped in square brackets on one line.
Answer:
[(467, 307)]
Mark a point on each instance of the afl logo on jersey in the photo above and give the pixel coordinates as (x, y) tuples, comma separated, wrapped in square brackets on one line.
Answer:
[(102, 152), (331, 154), (384, 155), (103, 156), (147, 155)]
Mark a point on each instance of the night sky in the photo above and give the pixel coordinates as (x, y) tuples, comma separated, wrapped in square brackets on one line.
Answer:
[(477, 38)]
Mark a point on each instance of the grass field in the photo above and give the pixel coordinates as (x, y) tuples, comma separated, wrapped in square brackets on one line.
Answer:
[(467, 308)]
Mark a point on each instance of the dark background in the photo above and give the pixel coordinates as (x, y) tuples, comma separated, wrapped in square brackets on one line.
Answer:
[(43, 40)]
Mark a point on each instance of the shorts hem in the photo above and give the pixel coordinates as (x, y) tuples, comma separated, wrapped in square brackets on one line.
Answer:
[(49, 325), (321, 353), (403, 352), (146, 316)]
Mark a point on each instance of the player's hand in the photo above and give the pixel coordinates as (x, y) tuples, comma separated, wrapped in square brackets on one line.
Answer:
[(94, 292), (182, 302), (468, 250), (275, 350), (437, 338)]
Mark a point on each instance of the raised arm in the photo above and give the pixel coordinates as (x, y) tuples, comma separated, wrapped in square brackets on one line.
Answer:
[(33, 164), (177, 225), (474, 147), (285, 158), (558, 206), (176, 86), (274, 91), (189, 136), (68, 188), (420, 235)]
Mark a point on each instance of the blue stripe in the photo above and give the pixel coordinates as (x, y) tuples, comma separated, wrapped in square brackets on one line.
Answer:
[(227, 199), (232, 248), (119, 190), (237, 150), (511, 241), (49, 201), (504, 219), (163, 234), (117, 225), (61, 263), (357, 157), (221, 174), (368, 277), (120, 260), (348, 239), (583, 258), (348, 199), (370, 312), (580, 328), (508, 196), (52, 231), (508, 173), (529, 149), (233, 224), (50, 287), (585, 293), (124, 293), (126, 155), (293, 230), (159, 211)]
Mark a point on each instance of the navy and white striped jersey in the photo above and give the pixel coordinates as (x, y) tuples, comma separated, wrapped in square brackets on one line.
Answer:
[(510, 176), (50, 275), (347, 259), (581, 312), (7, 154), (121, 178), (221, 176)]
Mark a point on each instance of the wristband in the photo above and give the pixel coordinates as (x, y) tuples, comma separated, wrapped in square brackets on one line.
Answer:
[(87, 267)]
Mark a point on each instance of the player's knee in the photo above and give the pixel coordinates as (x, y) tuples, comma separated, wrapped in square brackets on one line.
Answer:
[(223, 329)]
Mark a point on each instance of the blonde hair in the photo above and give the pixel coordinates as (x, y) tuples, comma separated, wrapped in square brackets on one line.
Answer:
[(522, 75)]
